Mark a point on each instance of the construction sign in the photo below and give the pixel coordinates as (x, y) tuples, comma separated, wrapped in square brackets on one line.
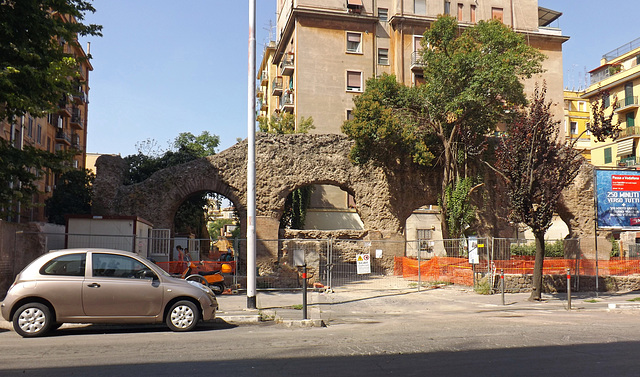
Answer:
[(363, 263)]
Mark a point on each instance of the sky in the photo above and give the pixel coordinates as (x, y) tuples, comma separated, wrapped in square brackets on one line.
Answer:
[(165, 67)]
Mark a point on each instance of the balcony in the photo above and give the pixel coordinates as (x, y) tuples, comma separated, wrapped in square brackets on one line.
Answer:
[(63, 138), (629, 131), (416, 61), (264, 78), (287, 101), (286, 65), (75, 142), (80, 98), (263, 105), (76, 119), (276, 86), (627, 103), (628, 161)]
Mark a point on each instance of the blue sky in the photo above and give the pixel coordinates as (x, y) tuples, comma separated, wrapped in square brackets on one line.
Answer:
[(165, 67)]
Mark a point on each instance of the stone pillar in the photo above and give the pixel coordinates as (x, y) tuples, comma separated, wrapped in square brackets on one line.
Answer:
[(267, 237)]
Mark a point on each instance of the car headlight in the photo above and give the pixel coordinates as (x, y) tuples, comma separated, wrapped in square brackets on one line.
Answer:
[(204, 288)]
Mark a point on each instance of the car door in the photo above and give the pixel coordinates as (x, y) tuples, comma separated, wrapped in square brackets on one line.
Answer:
[(60, 282), (118, 287)]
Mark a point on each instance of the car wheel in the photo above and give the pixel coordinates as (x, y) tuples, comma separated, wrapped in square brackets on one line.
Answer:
[(183, 316), (32, 319), (217, 288)]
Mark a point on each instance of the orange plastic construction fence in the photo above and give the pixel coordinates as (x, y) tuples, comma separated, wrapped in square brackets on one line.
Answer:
[(459, 271)]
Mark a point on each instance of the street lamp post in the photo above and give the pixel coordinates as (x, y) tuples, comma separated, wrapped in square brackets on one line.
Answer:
[(251, 162)]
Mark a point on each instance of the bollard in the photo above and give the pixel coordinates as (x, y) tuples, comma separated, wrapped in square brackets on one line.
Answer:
[(568, 289), (502, 284), (304, 292)]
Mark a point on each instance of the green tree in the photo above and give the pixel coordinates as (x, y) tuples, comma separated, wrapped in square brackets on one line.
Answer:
[(297, 202), (72, 196), (35, 72), (536, 166), (190, 216), (20, 169), (471, 78)]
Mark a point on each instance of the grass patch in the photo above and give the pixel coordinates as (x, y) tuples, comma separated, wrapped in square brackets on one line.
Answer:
[(483, 287), (297, 306), (634, 299), (593, 300)]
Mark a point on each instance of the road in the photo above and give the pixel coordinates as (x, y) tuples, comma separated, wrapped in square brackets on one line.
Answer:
[(423, 334)]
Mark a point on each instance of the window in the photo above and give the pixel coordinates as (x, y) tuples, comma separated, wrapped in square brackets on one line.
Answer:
[(631, 120), (349, 114), (497, 14), (39, 134), (472, 15), (607, 156), (30, 127), (606, 102), (118, 266), (354, 81), (424, 240), (353, 42), (420, 7), (581, 106), (418, 79), (383, 14), (574, 128), (447, 7), (383, 56), (66, 265), (628, 94), (460, 10)]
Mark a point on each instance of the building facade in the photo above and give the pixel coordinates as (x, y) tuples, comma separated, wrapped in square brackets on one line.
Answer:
[(64, 129), (324, 53), (618, 77), (576, 116)]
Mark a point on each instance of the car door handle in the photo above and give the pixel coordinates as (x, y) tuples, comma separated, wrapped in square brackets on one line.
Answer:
[(94, 285)]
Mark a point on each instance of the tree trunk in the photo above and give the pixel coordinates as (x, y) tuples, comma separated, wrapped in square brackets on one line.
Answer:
[(536, 293)]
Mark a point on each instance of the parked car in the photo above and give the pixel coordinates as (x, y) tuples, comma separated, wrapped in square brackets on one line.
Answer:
[(102, 286)]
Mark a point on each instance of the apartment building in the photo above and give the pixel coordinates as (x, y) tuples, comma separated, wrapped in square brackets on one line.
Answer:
[(325, 51), (619, 76), (576, 116), (64, 129)]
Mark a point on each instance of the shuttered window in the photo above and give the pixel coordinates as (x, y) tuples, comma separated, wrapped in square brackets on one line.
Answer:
[(354, 81)]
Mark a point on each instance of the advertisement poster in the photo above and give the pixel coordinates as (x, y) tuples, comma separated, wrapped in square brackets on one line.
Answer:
[(618, 199)]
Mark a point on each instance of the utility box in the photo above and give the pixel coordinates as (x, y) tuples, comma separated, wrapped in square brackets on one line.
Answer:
[(129, 233)]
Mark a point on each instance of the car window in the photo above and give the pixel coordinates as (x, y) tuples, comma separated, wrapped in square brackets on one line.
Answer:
[(65, 265), (118, 266)]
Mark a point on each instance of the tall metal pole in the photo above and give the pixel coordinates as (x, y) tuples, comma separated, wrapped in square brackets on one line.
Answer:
[(251, 161)]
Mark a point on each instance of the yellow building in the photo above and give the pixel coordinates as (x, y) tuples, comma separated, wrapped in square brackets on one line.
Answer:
[(618, 76), (325, 51), (576, 116), (65, 129)]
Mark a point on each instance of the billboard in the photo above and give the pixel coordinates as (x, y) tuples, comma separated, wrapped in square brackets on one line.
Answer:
[(618, 199)]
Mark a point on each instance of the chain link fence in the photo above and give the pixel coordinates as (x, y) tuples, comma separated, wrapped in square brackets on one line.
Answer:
[(351, 263)]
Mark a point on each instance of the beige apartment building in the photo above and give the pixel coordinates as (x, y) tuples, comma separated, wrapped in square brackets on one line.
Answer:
[(64, 129), (325, 51)]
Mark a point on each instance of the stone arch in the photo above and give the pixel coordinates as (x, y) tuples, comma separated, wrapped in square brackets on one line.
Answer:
[(283, 163)]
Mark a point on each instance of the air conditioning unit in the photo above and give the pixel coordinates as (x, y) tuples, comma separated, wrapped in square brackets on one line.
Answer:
[(47, 188)]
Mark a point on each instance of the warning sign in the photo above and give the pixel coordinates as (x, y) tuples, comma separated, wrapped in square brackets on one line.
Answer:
[(363, 263)]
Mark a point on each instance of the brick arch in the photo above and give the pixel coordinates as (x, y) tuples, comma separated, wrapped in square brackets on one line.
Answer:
[(283, 163)]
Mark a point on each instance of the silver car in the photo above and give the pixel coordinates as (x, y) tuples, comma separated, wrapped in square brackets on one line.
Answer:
[(102, 286)]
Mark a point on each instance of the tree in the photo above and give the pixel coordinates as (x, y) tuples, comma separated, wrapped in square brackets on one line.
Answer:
[(284, 124), (72, 195), (20, 169), (536, 166), (35, 72), (471, 78), (190, 216), (297, 202)]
